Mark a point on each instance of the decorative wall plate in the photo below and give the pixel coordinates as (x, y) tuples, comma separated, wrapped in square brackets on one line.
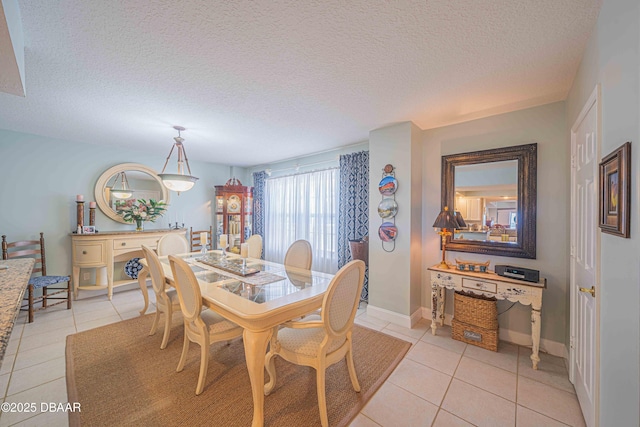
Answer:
[(388, 208), (388, 232), (388, 185)]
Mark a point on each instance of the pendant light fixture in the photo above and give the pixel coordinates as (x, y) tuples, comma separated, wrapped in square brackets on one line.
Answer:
[(122, 191), (178, 181)]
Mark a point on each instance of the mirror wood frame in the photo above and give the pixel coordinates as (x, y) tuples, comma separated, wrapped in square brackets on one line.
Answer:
[(103, 204), (527, 156)]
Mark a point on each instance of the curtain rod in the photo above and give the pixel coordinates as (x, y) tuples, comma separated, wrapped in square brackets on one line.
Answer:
[(297, 167), (302, 173)]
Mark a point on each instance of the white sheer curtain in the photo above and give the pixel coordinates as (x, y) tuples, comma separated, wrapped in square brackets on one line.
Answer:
[(303, 206)]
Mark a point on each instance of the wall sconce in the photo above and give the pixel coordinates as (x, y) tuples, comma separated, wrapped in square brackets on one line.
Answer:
[(447, 223), (124, 191), (178, 181)]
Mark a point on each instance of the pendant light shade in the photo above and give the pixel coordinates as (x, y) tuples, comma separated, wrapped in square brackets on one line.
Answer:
[(122, 190), (178, 181)]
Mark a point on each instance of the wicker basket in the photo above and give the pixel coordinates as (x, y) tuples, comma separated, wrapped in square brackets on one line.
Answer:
[(476, 310), (475, 335)]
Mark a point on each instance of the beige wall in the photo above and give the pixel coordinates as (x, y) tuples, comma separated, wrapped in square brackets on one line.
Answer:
[(546, 126), (395, 277), (612, 60)]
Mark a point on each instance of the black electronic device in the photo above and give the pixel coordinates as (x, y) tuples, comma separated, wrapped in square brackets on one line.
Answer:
[(519, 273)]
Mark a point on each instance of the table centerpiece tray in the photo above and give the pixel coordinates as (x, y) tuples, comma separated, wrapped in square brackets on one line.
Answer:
[(233, 266)]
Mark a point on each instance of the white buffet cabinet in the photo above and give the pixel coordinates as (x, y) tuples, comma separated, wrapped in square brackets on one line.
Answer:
[(104, 251)]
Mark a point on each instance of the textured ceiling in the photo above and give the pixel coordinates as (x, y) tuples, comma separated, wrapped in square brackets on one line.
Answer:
[(258, 81)]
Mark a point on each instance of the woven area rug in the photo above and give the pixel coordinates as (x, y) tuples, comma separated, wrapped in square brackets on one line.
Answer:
[(121, 377)]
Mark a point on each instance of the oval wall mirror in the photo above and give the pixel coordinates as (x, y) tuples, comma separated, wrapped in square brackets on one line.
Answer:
[(126, 182)]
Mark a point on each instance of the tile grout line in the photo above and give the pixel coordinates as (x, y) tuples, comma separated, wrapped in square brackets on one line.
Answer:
[(448, 387)]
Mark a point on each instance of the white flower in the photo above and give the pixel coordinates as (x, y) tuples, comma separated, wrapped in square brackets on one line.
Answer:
[(143, 215)]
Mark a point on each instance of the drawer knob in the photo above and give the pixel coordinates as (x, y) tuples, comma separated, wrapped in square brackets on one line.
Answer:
[(84, 252), (124, 243)]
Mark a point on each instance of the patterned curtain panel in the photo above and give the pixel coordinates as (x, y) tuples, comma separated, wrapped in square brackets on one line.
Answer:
[(353, 217), (259, 179)]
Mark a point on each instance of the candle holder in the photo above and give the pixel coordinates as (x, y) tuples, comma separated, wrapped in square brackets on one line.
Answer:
[(92, 215), (224, 251), (80, 213), (175, 227), (204, 250)]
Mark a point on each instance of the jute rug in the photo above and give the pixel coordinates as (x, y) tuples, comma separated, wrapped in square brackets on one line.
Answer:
[(120, 376)]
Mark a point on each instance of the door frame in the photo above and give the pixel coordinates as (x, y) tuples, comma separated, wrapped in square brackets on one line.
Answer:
[(594, 100)]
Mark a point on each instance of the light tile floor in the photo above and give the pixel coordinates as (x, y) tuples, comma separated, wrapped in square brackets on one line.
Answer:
[(441, 382)]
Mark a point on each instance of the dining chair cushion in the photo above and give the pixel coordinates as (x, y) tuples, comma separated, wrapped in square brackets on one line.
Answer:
[(41, 281), (216, 323), (306, 341), (173, 297)]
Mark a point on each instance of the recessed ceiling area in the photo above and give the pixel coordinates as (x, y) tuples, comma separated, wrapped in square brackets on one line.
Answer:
[(256, 82)]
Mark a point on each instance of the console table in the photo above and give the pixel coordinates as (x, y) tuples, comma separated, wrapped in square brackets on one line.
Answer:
[(491, 285), (104, 249)]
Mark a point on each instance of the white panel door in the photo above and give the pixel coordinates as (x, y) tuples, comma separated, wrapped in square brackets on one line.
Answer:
[(585, 257)]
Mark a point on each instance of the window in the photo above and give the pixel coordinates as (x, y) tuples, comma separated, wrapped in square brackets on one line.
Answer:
[(303, 206)]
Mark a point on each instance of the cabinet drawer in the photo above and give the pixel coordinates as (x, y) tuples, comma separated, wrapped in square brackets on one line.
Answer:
[(479, 285), (444, 279), (136, 243), (89, 253)]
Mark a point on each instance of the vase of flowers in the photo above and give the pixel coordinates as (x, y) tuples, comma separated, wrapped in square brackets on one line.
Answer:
[(142, 211)]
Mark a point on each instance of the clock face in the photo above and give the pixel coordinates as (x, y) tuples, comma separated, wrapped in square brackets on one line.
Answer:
[(233, 204)]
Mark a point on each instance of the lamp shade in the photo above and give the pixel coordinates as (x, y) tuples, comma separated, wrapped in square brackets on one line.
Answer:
[(122, 191), (460, 220), (446, 219), (178, 181)]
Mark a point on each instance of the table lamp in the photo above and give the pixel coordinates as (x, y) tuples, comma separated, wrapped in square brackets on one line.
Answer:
[(447, 223), (460, 221)]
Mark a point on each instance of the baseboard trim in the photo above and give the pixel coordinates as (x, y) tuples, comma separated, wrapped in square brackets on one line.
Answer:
[(554, 348), (395, 318)]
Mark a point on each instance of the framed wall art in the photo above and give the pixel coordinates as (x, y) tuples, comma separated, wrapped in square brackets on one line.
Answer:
[(615, 192)]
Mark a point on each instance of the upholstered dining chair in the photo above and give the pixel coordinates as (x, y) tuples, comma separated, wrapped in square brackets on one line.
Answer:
[(201, 327), (50, 285), (255, 246), (194, 238), (172, 244), (166, 300), (321, 341), (299, 255)]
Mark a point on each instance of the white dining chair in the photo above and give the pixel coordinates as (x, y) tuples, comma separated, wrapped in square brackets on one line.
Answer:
[(172, 244), (321, 341), (299, 255), (166, 301), (255, 246), (201, 327)]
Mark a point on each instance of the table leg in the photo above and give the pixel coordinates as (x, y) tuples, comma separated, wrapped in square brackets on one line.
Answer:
[(441, 300), (142, 281), (76, 281), (110, 281), (434, 308), (255, 348), (535, 335)]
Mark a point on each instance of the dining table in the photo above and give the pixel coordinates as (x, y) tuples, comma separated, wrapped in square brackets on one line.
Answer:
[(257, 295)]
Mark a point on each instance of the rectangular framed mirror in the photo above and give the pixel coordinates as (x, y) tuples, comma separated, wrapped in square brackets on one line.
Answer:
[(495, 192)]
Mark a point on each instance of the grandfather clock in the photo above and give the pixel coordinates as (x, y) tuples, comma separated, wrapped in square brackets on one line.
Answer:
[(234, 212)]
